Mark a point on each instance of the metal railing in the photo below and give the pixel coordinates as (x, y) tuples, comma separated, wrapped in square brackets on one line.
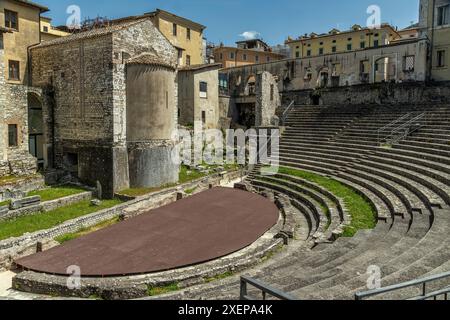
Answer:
[(401, 128), (444, 293), (265, 290), (286, 112)]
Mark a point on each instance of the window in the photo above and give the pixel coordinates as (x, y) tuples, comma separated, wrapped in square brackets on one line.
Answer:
[(408, 63), (321, 43), (320, 51), (45, 29), (297, 54), (349, 47), (188, 60), (244, 57), (349, 39), (441, 58), (272, 92), (174, 29), (334, 41), (362, 45), (268, 59), (188, 34), (12, 135), (204, 117), (11, 20), (443, 15), (221, 56), (376, 43), (333, 49), (203, 89), (308, 53), (231, 55), (14, 70)]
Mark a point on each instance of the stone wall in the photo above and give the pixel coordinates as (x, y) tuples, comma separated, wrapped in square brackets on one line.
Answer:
[(382, 93), (267, 99), (340, 69), (14, 160)]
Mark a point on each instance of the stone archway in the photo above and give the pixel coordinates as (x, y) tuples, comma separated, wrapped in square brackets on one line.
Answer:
[(385, 69), (36, 138)]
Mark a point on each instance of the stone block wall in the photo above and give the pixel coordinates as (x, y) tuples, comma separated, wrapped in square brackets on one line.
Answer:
[(267, 99), (84, 80), (15, 160)]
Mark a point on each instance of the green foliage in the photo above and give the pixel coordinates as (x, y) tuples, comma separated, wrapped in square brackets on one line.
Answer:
[(156, 291), (54, 193), (41, 221)]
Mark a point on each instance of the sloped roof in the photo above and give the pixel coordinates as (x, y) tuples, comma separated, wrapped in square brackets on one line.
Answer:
[(90, 34), (150, 59), (32, 4)]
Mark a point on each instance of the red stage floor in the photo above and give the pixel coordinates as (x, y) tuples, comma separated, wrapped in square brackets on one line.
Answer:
[(204, 227)]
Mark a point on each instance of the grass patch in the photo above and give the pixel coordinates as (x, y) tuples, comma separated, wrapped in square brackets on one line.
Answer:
[(219, 277), (156, 291), (362, 213), (190, 191), (84, 231), (54, 193), (186, 174), (5, 203), (41, 221)]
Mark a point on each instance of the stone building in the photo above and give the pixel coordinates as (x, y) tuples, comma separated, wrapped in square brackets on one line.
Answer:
[(109, 105), (15, 158), (184, 34), (198, 95)]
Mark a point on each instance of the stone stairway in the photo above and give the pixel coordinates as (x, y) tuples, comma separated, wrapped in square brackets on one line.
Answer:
[(407, 183)]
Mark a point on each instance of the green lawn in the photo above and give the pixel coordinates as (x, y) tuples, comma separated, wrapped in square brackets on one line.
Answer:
[(54, 193), (5, 203), (84, 231), (361, 210), (41, 221)]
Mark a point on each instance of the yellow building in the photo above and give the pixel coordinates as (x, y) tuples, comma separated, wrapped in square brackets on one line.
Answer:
[(336, 41), (435, 24), (183, 34), (22, 18), (48, 32)]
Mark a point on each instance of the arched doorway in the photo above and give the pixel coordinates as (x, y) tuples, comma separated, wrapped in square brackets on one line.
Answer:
[(36, 129), (385, 69)]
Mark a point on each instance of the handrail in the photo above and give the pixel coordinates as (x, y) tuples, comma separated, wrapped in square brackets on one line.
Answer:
[(405, 129), (396, 287), (265, 289), (286, 112), (394, 122), (397, 131)]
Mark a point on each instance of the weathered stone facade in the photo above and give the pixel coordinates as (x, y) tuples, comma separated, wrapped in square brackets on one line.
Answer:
[(14, 159), (267, 100), (84, 77), (340, 69)]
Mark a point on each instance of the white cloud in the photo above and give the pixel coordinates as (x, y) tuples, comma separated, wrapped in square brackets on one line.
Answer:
[(250, 35)]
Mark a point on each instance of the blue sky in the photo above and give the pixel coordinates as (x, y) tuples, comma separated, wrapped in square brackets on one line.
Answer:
[(274, 20)]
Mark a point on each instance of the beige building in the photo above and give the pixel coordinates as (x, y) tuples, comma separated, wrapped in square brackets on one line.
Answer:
[(198, 95), (246, 53), (434, 22), (337, 41), (49, 32), (22, 18), (183, 34)]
